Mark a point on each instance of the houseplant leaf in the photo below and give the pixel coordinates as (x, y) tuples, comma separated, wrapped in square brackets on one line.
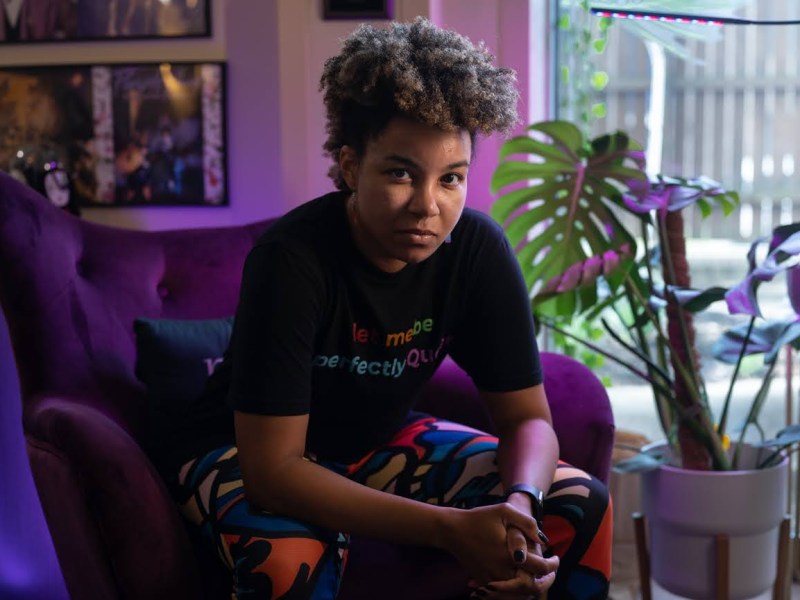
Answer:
[(784, 254), (765, 338), (559, 191)]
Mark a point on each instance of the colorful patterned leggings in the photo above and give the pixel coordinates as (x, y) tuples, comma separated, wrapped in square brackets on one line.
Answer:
[(429, 460)]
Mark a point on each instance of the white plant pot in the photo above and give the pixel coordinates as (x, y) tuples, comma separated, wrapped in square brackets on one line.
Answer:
[(686, 509)]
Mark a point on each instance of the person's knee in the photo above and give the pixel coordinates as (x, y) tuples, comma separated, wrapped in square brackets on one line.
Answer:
[(599, 493)]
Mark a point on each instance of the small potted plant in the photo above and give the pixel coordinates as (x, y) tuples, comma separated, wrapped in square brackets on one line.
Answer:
[(569, 206)]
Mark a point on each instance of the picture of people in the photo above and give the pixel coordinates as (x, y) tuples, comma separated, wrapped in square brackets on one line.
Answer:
[(55, 20), (140, 134), (158, 133)]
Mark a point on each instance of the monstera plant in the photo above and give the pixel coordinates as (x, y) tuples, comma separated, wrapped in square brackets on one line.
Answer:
[(569, 205)]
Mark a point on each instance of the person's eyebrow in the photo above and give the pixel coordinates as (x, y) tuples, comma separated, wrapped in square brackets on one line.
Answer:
[(404, 160)]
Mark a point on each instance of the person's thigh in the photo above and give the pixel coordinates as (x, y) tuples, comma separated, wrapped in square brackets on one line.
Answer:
[(270, 556), (444, 463), (434, 461)]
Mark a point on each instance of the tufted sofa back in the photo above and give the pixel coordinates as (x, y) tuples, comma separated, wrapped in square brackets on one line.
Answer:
[(91, 283)]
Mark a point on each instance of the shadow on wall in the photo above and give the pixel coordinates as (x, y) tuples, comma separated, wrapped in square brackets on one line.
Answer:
[(28, 566)]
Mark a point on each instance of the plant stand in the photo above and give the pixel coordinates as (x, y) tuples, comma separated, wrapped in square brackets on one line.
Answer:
[(780, 590), (794, 477)]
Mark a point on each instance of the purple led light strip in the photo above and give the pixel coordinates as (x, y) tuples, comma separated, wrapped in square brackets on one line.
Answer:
[(685, 19)]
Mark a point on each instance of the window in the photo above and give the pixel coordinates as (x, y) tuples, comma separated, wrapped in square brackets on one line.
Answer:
[(730, 110)]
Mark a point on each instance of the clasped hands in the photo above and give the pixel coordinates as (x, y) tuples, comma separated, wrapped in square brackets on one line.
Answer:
[(501, 549)]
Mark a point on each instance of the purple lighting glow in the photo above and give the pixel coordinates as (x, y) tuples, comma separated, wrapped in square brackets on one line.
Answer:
[(29, 569)]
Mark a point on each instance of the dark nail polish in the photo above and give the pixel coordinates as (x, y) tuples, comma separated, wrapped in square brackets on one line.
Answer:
[(519, 556), (544, 538), (480, 592)]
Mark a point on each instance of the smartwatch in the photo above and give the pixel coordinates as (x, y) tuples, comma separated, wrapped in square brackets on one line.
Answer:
[(536, 495)]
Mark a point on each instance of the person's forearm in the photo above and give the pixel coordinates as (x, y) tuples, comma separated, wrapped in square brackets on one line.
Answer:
[(306, 491), (528, 453)]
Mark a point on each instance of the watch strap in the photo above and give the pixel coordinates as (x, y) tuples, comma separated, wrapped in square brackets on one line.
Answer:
[(536, 495)]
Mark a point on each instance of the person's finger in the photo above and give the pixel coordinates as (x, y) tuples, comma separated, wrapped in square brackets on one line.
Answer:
[(534, 578), (531, 554), (538, 566), (523, 585), (525, 523), (541, 537), (517, 545)]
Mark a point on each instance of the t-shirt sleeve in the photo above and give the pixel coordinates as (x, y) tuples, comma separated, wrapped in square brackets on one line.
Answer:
[(273, 335), (496, 343)]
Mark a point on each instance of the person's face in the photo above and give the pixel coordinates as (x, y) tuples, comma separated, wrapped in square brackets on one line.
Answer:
[(410, 186)]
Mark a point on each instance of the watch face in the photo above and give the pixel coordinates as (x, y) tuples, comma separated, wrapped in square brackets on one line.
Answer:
[(56, 186)]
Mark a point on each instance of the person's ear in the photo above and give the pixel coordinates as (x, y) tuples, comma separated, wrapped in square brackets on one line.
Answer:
[(348, 165)]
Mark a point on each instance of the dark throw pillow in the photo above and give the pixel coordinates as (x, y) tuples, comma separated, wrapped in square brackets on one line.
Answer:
[(174, 358)]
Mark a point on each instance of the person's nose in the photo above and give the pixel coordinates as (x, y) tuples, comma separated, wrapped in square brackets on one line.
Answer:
[(424, 202)]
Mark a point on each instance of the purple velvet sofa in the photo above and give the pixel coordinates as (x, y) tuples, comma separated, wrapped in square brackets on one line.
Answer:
[(70, 291)]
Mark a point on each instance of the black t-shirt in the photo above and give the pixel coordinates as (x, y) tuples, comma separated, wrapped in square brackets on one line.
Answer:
[(320, 330)]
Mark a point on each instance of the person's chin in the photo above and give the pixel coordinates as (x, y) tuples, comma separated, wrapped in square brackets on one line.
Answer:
[(417, 255)]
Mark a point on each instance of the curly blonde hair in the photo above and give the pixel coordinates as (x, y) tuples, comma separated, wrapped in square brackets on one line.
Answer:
[(417, 70)]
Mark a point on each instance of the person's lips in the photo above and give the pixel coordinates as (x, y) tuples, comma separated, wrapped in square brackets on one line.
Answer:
[(419, 234)]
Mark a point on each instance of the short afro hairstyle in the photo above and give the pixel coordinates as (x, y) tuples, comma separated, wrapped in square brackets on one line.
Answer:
[(417, 70)]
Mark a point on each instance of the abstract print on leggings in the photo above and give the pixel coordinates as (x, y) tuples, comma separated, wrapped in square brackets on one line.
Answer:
[(269, 556), (429, 460)]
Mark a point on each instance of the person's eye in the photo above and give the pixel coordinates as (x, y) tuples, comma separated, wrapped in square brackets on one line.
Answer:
[(399, 174), (453, 179)]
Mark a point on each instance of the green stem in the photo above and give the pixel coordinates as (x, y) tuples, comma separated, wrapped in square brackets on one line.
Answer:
[(665, 414), (755, 409), (599, 350), (723, 419)]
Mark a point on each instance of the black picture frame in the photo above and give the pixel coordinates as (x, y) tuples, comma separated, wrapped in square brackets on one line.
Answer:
[(357, 9), (32, 21), (134, 134)]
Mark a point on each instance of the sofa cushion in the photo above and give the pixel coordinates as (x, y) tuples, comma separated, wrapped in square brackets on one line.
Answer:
[(174, 358)]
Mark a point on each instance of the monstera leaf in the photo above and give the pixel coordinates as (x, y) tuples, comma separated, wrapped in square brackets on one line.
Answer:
[(559, 208)]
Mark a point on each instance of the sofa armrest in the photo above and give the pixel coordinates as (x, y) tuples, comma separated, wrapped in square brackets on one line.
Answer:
[(108, 511), (582, 416), (581, 410)]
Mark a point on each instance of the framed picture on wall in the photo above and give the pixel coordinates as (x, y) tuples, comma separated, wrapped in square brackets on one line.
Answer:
[(140, 134), (75, 20), (357, 9)]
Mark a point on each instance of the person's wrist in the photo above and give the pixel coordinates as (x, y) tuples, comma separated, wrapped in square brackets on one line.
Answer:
[(444, 527), (535, 499), (521, 502)]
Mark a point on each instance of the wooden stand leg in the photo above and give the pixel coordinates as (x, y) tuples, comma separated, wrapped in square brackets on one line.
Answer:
[(642, 555), (781, 589), (721, 566)]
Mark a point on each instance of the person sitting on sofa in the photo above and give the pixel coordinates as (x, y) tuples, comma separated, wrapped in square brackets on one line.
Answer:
[(348, 304)]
